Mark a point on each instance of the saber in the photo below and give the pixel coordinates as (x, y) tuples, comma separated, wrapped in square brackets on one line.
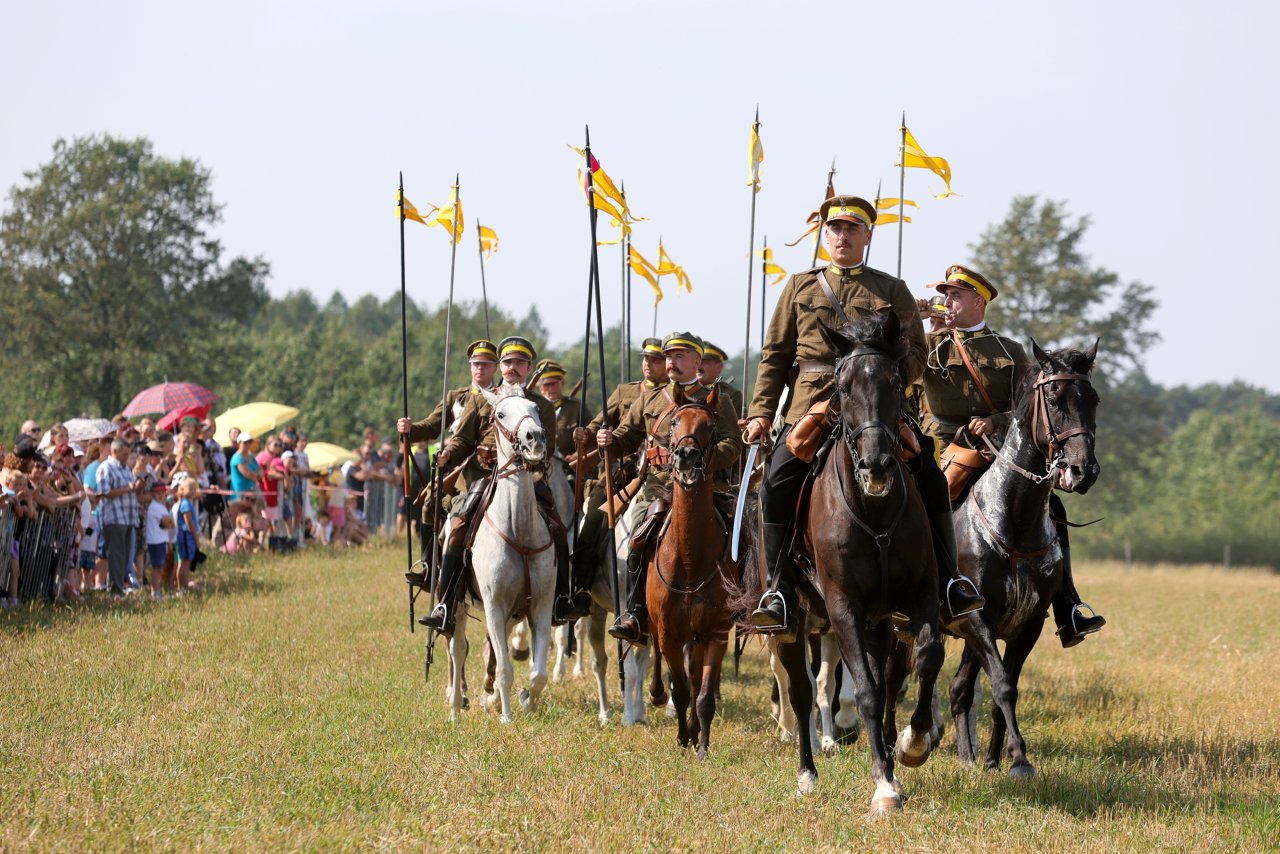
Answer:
[(743, 489)]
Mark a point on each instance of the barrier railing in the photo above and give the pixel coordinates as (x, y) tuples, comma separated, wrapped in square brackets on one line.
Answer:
[(46, 551)]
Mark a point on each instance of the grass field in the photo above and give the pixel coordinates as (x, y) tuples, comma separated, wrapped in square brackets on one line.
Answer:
[(285, 708)]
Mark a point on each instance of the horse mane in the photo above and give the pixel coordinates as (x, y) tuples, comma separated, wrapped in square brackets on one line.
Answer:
[(1066, 360), (510, 390), (875, 331)]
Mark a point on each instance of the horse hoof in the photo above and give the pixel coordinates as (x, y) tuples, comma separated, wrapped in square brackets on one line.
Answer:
[(518, 654), (829, 746), (702, 754), (504, 719), (603, 718), (671, 711), (806, 783), (886, 805), (453, 716), (1024, 771), (658, 701), (526, 700), (912, 750)]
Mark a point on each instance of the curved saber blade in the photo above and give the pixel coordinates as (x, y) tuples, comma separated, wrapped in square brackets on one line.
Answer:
[(743, 488)]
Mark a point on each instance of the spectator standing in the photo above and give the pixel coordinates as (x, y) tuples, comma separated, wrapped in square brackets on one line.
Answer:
[(245, 470), (272, 476), (302, 470), (188, 531), (119, 513), (158, 524)]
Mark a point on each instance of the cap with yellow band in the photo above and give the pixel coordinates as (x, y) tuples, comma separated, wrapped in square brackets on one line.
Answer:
[(551, 370), (514, 345), (959, 276), (483, 350), (683, 341), (849, 209), (711, 351), (651, 347)]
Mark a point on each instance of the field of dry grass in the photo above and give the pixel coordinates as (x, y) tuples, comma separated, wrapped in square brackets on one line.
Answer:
[(285, 708)]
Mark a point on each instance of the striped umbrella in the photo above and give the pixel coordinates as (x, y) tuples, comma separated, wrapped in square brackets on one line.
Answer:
[(167, 397)]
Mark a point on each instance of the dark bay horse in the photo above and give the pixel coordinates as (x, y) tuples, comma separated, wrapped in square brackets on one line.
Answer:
[(691, 575), (869, 538), (1008, 543)]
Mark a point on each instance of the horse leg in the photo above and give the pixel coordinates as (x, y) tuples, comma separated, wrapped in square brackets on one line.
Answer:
[(847, 720), (594, 634), (963, 708), (457, 658), (693, 658), (657, 687), (896, 668), (561, 636), (864, 652), (490, 665), (504, 672), (679, 688), (712, 661), (784, 715), (539, 649), (637, 670), (916, 742), (793, 659), (1016, 651), (982, 639), (829, 657), (582, 633)]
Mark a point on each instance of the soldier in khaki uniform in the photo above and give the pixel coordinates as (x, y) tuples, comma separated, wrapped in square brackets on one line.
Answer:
[(647, 425), (654, 370), (713, 359), (473, 438), (551, 385), (795, 336), (953, 401)]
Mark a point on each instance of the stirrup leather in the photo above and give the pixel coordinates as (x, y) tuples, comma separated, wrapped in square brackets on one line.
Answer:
[(952, 583)]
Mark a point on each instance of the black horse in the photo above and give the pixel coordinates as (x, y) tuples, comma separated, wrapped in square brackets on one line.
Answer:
[(1009, 545)]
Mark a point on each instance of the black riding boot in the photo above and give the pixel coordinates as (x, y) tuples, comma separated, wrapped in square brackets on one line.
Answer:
[(565, 609), (632, 624), (442, 617), (960, 595), (1073, 624), (774, 615)]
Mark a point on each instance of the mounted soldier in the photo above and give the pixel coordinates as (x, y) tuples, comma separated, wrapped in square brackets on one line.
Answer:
[(647, 425), (713, 359), (971, 378), (551, 375), (482, 358), (473, 441), (653, 375), (811, 305)]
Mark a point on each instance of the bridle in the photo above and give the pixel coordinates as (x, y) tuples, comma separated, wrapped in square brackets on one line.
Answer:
[(851, 434), (704, 450), (517, 462), (1046, 439)]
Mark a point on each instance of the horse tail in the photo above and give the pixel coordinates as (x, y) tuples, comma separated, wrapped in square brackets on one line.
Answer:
[(745, 595)]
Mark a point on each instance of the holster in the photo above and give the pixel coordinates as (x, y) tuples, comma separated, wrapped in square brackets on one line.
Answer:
[(809, 432), (961, 465)]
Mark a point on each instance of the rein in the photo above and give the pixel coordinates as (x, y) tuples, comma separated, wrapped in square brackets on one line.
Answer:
[(1043, 436), (514, 465), (704, 451), (883, 540)]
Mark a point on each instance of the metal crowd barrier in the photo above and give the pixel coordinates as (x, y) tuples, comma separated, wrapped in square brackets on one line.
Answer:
[(7, 521), (381, 504), (46, 552)]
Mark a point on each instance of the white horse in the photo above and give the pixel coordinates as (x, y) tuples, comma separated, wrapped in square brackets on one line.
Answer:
[(824, 694), (512, 556)]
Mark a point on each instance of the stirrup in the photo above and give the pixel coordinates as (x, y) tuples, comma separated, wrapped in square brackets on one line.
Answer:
[(416, 579), (975, 606), (627, 628), (439, 619), (780, 629), (1076, 635)]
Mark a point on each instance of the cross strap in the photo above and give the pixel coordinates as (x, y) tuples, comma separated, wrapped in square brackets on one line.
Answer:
[(973, 372)]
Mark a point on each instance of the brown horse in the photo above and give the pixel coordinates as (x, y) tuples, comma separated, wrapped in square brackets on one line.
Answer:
[(869, 539), (686, 589)]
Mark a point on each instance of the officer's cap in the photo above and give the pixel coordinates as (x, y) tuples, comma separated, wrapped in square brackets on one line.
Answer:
[(483, 350), (849, 209), (959, 276), (551, 370), (711, 351), (683, 341), (514, 345), (651, 347)]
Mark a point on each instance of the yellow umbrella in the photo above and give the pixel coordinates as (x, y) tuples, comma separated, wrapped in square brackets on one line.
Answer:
[(324, 455), (254, 418)]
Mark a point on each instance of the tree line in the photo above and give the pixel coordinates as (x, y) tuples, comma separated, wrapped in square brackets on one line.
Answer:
[(113, 282)]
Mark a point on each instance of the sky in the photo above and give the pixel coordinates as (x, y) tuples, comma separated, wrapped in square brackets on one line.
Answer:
[(1151, 118)]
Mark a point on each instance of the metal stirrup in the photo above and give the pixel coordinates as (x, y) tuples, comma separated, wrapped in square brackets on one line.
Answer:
[(968, 581), (1075, 611), (786, 616)]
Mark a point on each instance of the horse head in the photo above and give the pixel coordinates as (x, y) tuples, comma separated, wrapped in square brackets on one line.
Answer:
[(869, 395), (1062, 418), (692, 436), (516, 425)]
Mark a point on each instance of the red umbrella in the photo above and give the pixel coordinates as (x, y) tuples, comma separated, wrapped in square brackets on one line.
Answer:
[(167, 397), (174, 418)]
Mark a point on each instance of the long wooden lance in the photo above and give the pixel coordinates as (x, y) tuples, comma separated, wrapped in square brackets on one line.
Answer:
[(830, 191), (604, 403), (484, 288), (404, 394), (902, 187), (866, 259), (751, 256), (622, 283)]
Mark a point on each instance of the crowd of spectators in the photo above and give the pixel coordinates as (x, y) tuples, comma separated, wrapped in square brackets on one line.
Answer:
[(141, 507)]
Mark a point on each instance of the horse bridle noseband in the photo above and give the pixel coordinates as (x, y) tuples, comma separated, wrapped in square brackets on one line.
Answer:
[(1050, 442), (517, 461), (704, 451), (851, 434)]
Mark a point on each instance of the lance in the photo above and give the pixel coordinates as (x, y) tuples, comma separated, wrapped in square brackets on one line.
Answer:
[(626, 353), (604, 401), (866, 259), (622, 324), (657, 299), (751, 267), (404, 397), (902, 187), (831, 191), (484, 289)]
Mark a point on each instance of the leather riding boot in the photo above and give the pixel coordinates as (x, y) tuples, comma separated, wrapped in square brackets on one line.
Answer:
[(442, 616), (774, 615), (960, 595), (565, 609), (1073, 623), (632, 623)]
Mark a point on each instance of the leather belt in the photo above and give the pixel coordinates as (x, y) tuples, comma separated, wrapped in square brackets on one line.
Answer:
[(813, 366)]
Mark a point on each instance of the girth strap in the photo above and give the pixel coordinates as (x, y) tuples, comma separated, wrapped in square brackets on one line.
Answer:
[(525, 553)]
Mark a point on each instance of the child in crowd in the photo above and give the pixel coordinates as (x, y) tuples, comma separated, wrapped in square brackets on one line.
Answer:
[(188, 530), (158, 524), (243, 539), (17, 498), (323, 529)]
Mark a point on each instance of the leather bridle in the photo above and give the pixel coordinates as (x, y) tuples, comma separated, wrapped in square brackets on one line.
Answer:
[(851, 434), (517, 461), (704, 450)]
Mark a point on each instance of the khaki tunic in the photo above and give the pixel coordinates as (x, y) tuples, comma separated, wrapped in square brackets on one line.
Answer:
[(951, 398), (729, 393), (650, 417), (795, 334), (428, 429), (474, 430), (619, 402), (567, 410)]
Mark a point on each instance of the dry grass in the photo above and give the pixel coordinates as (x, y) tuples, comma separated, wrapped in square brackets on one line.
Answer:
[(285, 708)]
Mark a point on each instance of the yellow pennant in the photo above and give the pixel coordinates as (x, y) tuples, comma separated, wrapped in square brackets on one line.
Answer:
[(444, 216), (885, 218), (643, 268), (891, 203), (488, 240), (756, 155), (606, 196), (913, 157), (682, 280), (770, 268), (666, 266), (823, 255), (410, 212)]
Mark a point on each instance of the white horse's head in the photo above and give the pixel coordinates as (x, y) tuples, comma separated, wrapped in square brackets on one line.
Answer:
[(516, 425)]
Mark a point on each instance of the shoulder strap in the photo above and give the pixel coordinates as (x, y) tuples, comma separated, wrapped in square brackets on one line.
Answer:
[(831, 297), (671, 407), (977, 378)]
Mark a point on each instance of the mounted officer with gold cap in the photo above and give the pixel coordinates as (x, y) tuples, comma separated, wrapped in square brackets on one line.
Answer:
[(811, 303), (971, 379), (713, 362), (647, 425), (473, 440), (550, 375)]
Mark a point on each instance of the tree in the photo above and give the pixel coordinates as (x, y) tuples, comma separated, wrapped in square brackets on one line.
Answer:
[(1049, 291), (107, 256)]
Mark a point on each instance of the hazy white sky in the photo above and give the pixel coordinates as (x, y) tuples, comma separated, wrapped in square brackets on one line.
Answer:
[(1155, 118)]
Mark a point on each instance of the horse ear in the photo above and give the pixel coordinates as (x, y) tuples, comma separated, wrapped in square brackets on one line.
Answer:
[(1091, 354), (713, 398), (1041, 356), (839, 338), (490, 396), (893, 331)]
